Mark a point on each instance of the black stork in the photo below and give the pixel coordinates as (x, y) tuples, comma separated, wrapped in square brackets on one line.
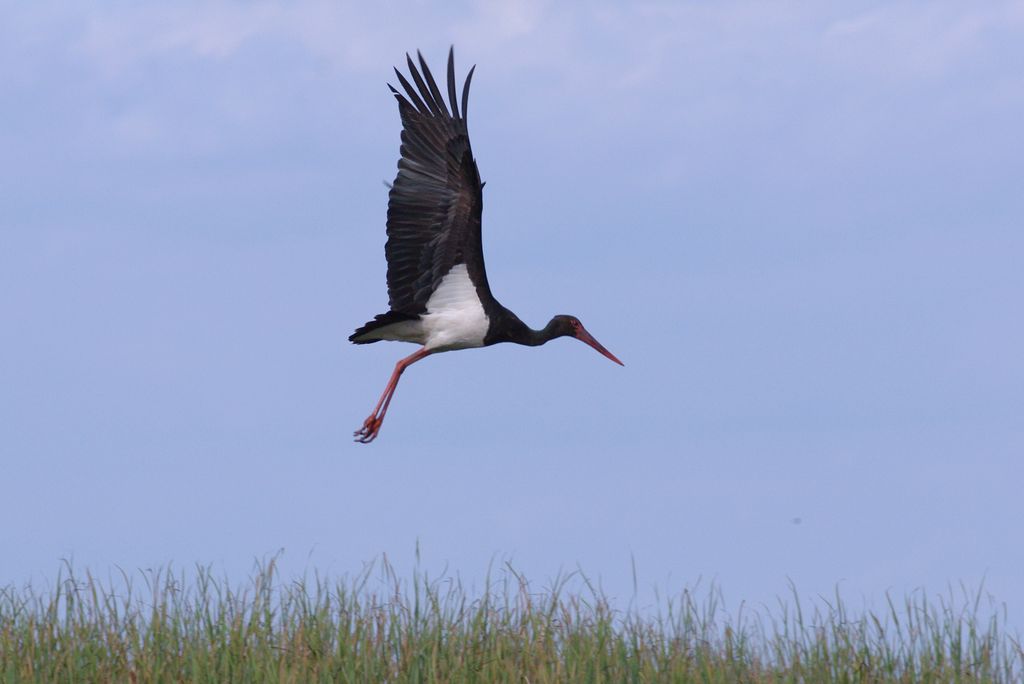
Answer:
[(437, 285)]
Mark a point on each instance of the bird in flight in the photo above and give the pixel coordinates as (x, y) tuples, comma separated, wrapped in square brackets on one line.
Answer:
[(437, 285)]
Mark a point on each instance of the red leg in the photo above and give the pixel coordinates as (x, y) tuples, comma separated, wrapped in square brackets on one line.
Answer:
[(371, 426)]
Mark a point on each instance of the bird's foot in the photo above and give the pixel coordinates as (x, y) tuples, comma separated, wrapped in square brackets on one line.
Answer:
[(368, 432)]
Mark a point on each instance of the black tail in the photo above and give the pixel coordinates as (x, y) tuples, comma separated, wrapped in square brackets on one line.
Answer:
[(379, 321)]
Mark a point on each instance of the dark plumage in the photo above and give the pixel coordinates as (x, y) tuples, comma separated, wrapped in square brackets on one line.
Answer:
[(438, 293), (436, 202)]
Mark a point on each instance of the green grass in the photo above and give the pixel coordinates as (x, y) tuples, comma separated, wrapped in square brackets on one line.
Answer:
[(375, 627)]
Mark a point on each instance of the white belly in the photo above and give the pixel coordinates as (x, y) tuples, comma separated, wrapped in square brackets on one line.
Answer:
[(455, 319)]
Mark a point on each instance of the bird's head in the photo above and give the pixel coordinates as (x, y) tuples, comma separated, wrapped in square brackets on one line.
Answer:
[(570, 326)]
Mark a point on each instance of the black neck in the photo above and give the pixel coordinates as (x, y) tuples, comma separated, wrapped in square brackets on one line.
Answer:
[(508, 328), (535, 338)]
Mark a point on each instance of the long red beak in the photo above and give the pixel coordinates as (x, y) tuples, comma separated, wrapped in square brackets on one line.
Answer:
[(584, 336)]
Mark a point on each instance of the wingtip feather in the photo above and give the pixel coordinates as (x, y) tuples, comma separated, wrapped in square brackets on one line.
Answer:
[(465, 93), (452, 91), (416, 102), (432, 89), (430, 108)]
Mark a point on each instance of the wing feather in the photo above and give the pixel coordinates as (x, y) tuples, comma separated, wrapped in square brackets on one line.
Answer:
[(436, 201), (452, 93), (465, 94), (432, 85)]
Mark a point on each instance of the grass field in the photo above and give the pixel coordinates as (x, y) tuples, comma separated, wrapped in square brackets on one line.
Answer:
[(163, 626)]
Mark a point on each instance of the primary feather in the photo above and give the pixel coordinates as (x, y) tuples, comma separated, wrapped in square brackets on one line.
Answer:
[(435, 203)]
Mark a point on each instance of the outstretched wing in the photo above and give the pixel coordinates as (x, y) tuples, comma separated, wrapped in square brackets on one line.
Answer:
[(436, 201)]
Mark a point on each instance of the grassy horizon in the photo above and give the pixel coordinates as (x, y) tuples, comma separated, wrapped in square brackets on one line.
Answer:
[(159, 626)]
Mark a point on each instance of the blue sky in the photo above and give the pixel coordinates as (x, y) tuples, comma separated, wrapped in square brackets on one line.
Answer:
[(799, 226)]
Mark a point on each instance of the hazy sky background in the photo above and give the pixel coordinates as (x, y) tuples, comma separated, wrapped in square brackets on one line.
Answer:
[(800, 225)]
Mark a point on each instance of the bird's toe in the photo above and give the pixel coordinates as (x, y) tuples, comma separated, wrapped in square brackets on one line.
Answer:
[(368, 432)]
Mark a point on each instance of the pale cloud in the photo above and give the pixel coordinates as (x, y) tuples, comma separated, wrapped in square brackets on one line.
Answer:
[(509, 19), (346, 36), (702, 65), (902, 41), (116, 41), (216, 31)]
